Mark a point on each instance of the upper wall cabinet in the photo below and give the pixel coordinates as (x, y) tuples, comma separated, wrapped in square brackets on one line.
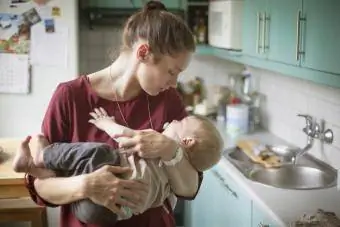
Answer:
[(282, 36), (253, 29), (270, 29), (302, 33), (320, 31)]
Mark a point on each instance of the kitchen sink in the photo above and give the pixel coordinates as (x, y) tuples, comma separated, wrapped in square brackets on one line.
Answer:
[(306, 173), (294, 177)]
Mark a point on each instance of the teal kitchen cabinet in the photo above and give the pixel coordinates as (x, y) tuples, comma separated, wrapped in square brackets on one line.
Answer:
[(281, 32), (321, 35), (260, 218), (270, 30), (220, 203), (253, 39)]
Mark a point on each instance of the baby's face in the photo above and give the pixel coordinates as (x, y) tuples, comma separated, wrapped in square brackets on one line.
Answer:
[(180, 129)]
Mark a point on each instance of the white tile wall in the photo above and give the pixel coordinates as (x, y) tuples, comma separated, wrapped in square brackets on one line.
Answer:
[(285, 97)]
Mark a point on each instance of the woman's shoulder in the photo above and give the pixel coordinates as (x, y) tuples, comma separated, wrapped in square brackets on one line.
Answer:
[(74, 87)]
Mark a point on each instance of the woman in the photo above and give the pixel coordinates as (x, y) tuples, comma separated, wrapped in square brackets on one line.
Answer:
[(138, 90)]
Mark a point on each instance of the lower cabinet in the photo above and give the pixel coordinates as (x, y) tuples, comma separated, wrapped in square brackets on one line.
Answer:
[(260, 218), (222, 203)]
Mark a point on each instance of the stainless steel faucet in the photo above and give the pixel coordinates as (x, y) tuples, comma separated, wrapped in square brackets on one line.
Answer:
[(313, 130)]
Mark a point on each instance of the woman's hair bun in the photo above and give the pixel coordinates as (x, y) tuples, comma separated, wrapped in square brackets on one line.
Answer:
[(154, 5)]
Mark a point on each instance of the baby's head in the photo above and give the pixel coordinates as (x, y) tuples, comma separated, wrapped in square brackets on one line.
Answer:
[(200, 139)]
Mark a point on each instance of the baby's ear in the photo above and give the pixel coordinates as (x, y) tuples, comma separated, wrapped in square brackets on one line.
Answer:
[(188, 142)]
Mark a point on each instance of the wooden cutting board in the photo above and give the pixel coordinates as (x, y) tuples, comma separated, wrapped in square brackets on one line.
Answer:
[(266, 158)]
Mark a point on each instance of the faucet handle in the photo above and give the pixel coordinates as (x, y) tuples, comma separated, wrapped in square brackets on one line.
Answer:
[(309, 119)]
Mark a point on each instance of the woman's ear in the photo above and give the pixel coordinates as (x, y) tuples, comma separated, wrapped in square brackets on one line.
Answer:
[(143, 52), (188, 142)]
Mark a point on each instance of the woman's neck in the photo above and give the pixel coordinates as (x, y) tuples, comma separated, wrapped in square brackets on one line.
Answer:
[(122, 75)]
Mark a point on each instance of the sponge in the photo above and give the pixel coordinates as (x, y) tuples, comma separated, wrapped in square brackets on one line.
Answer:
[(259, 153)]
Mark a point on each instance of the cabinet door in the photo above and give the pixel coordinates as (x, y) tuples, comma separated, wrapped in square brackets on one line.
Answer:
[(196, 214), (253, 28), (234, 205), (321, 36), (259, 218), (218, 205), (174, 4), (281, 37)]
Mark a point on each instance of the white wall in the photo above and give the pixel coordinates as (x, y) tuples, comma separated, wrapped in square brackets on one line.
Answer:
[(21, 115)]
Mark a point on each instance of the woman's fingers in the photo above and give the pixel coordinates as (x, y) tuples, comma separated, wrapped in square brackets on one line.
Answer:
[(125, 202), (130, 142), (135, 185), (117, 169), (113, 207)]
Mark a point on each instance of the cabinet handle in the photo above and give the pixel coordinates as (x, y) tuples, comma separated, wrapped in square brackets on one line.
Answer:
[(263, 225), (232, 192), (263, 32), (298, 35), (266, 20), (258, 35)]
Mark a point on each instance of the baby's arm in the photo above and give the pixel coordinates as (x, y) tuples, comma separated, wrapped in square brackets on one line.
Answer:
[(106, 123)]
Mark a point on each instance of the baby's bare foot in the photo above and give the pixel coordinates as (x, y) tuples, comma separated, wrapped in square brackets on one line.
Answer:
[(23, 158), (42, 143)]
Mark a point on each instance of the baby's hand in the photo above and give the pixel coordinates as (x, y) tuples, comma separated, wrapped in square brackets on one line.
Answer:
[(101, 119)]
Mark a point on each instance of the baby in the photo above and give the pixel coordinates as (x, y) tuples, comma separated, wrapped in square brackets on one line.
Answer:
[(196, 135)]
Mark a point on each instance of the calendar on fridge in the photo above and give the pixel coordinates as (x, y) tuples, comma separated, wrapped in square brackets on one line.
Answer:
[(14, 73)]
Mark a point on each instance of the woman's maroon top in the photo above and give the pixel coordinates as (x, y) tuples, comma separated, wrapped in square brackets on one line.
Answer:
[(66, 120)]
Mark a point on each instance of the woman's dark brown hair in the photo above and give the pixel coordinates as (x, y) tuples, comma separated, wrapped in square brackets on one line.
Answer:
[(166, 33)]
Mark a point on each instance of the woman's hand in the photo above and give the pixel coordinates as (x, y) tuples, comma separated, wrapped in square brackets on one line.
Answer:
[(104, 188), (149, 144)]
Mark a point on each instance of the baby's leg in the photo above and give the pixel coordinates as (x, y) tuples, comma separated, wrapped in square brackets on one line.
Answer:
[(24, 163), (93, 157)]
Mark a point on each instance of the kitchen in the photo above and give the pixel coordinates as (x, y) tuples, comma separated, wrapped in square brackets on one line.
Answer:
[(309, 85)]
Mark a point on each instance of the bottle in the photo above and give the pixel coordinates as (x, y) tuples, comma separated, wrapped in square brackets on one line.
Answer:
[(201, 31), (195, 25)]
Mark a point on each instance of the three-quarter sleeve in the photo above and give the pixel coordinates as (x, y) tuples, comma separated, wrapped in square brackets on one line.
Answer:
[(176, 111), (56, 128)]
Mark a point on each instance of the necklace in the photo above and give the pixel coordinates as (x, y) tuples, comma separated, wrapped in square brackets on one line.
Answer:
[(121, 113)]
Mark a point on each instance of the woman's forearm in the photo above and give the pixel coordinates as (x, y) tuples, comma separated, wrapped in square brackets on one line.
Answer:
[(59, 190), (183, 178)]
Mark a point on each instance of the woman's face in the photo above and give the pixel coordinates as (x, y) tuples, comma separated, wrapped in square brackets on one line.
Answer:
[(157, 76)]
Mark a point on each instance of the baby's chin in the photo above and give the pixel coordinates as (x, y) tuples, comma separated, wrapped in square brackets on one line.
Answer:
[(171, 134)]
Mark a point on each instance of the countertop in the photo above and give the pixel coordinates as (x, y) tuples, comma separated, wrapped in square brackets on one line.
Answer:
[(283, 205), (10, 146)]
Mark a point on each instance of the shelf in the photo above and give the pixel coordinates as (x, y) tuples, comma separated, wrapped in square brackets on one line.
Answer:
[(219, 52), (115, 16), (324, 78)]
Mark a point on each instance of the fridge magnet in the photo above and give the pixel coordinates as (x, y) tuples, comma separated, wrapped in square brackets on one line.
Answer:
[(49, 25), (14, 34), (14, 2), (56, 11), (40, 2), (31, 17)]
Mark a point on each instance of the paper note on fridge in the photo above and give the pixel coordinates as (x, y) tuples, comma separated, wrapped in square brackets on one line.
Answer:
[(49, 49)]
